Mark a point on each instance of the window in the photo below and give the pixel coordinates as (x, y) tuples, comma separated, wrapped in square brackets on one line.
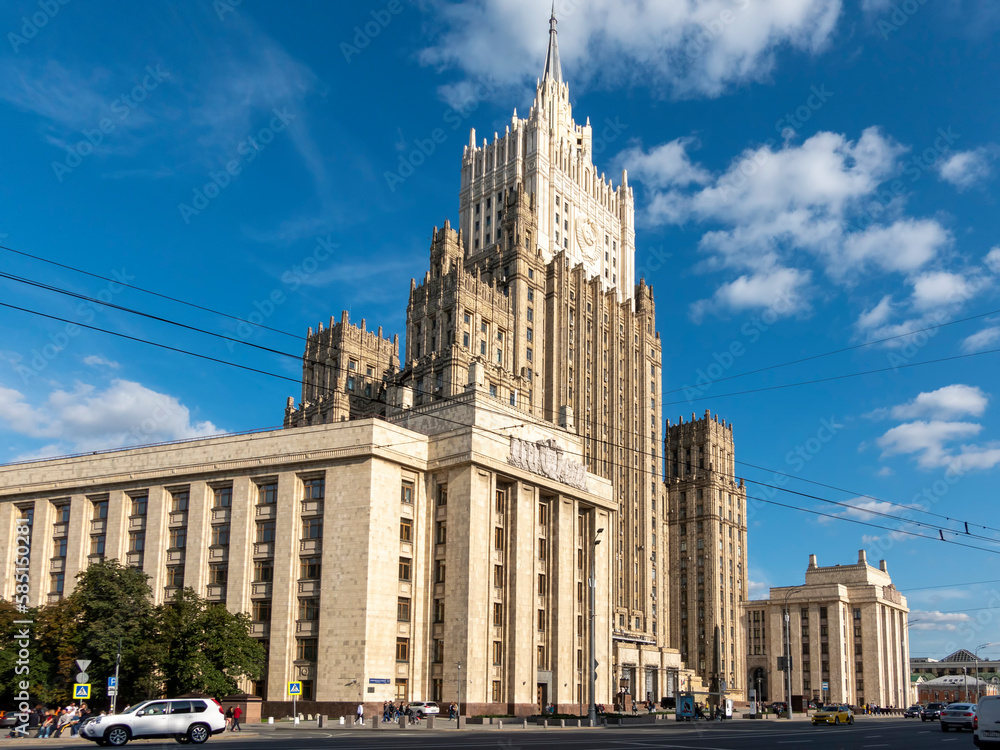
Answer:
[(139, 505), (220, 534), (406, 529), (440, 532), (404, 568), (217, 573), (498, 538), (497, 694), (178, 538), (541, 619), (531, 315), (498, 613), (439, 610), (267, 494), (542, 549), (223, 497), (438, 651), (403, 609), (542, 584), (60, 547), (501, 498), (97, 544), (309, 609), (62, 513), (529, 354), (312, 528), (305, 649), (543, 514), (439, 571), (541, 657), (263, 571), (175, 576), (442, 494), (56, 583), (265, 531), (309, 567), (498, 576), (402, 692), (498, 652), (313, 488), (406, 492), (180, 500), (100, 509), (402, 649)]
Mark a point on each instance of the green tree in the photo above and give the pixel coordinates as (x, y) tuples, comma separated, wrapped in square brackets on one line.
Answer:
[(207, 648), (113, 606)]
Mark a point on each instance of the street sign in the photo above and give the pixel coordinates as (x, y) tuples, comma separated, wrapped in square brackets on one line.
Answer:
[(295, 688), (83, 664), (378, 680), (82, 677), (112, 692), (82, 691), (112, 683), (826, 685)]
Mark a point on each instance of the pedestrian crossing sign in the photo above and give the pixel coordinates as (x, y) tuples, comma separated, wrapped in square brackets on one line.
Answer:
[(295, 688), (81, 691)]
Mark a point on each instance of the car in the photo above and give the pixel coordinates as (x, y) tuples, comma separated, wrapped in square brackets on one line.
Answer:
[(186, 720), (958, 716), (931, 711), (912, 712), (987, 731), (9, 719), (422, 708), (833, 713)]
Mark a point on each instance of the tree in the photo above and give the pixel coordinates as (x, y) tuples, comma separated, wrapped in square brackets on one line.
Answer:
[(113, 606), (207, 648)]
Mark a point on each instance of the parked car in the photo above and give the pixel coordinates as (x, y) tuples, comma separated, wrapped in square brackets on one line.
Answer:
[(422, 709), (833, 714), (185, 720), (8, 719), (912, 712), (987, 732), (958, 716), (931, 712)]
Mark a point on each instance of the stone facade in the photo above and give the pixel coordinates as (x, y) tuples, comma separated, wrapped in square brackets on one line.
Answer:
[(848, 628), (707, 527), (374, 557)]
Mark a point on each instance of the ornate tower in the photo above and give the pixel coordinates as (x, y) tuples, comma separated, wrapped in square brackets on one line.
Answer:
[(708, 545)]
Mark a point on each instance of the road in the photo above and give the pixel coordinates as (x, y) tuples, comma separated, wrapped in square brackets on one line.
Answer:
[(739, 735)]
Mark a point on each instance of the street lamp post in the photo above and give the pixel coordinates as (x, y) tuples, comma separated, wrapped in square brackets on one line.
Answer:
[(788, 649), (985, 645), (458, 718), (593, 629)]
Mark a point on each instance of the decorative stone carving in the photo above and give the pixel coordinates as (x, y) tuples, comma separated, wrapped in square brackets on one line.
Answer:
[(546, 458)]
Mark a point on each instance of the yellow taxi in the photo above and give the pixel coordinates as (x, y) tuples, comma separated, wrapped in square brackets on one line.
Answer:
[(833, 714)]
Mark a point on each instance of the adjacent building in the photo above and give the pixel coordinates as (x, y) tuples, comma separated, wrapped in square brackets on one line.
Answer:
[(846, 635)]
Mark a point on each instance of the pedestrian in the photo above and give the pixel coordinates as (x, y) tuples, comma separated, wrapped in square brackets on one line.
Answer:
[(361, 714), (237, 713), (229, 718)]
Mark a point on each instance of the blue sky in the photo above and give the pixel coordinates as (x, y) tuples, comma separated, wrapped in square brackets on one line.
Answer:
[(810, 175)]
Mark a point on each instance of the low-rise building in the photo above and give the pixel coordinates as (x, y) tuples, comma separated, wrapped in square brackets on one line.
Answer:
[(954, 689), (847, 630)]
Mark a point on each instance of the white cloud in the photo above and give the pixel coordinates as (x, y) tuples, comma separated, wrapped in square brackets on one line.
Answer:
[(877, 315), (984, 339), (944, 621), (758, 590), (938, 289), (683, 49), (88, 418), (945, 403), (967, 168), (906, 245), (666, 165), (778, 289), (96, 360), (927, 440)]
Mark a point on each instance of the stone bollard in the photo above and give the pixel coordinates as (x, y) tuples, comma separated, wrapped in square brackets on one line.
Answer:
[(499, 723), (430, 722), (309, 717), (376, 722), (562, 723), (460, 722), (545, 723), (524, 724), (270, 719), (402, 721), (322, 720)]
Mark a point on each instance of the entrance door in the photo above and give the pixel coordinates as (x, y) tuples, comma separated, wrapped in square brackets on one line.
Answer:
[(543, 697)]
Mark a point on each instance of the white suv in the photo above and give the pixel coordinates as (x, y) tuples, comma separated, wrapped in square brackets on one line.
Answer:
[(185, 720), (422, 709)]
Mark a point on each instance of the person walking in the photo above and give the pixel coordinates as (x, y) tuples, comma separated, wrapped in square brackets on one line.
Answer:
[(237, 713), (229, 718), (361, 714)]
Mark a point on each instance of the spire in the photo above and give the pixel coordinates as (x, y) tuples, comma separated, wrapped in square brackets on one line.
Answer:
[(553, 69)]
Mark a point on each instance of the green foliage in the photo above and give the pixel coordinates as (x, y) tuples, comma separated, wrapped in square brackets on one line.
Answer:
[(207, 648), (184, 645)]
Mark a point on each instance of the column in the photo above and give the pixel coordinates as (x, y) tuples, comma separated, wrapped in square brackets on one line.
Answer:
[(80, 515), (154, 560), (199, 537), (286, 562), (241, 529), (562, 601), (116, 534)]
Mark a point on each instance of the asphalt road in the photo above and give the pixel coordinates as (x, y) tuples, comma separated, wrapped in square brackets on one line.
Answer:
[(738, 735)]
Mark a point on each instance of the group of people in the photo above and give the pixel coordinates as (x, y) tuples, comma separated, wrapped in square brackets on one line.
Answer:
[(873, 709), (233, 716), (391, 712), (55, 722)]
